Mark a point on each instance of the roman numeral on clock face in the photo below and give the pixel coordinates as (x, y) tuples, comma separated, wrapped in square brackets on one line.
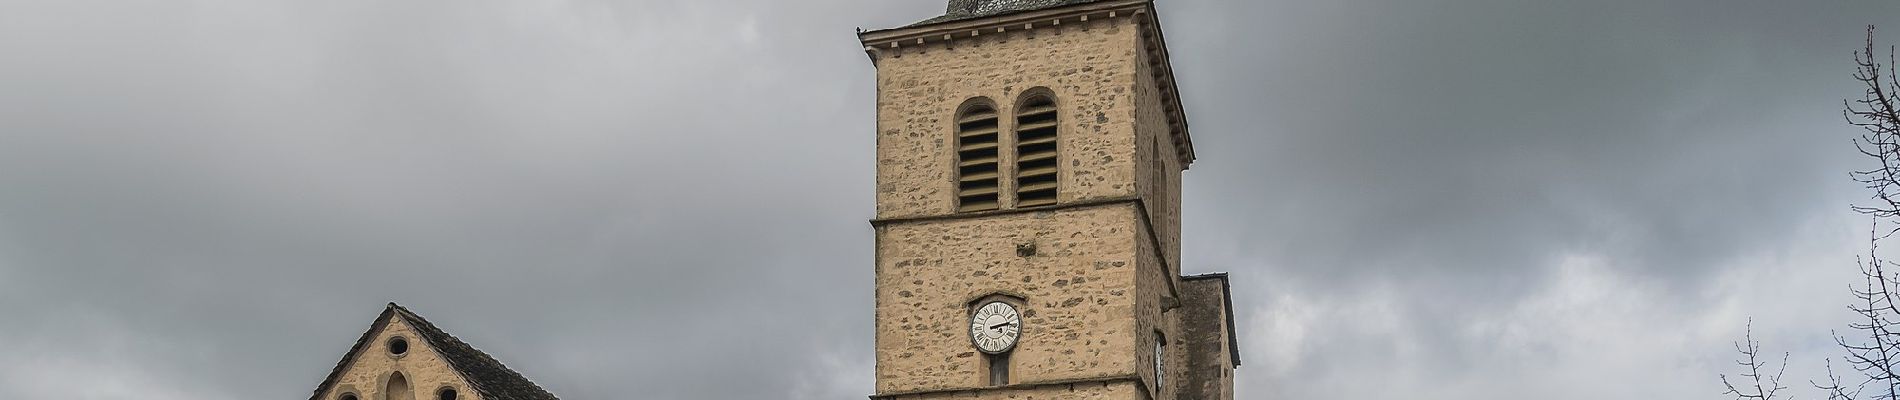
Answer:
[(995, 327)]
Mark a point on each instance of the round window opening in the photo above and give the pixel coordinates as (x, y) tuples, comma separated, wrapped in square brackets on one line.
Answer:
[(347, 396), (398, 346), (445, 394)]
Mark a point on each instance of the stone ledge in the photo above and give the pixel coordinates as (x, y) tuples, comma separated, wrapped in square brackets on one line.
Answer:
[(1105, 380), (1023, 210)]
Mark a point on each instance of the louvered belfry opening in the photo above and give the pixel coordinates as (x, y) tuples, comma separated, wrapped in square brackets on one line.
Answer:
[(977, 184), (1036, 152)]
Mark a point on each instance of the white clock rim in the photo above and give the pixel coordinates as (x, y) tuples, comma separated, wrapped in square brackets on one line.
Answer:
[(1020, 327)]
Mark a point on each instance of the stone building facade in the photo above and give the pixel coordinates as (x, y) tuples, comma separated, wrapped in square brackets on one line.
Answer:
[(972, 106)]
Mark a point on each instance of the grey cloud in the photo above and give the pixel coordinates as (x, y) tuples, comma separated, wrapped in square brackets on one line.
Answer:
[(1445, 158), (211, 199)]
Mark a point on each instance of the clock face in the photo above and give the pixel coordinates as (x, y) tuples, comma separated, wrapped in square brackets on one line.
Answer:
[(995, 327), (1161, 360)]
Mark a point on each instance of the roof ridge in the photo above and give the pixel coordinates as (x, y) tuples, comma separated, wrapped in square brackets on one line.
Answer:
[(958, 10), (330, 380)]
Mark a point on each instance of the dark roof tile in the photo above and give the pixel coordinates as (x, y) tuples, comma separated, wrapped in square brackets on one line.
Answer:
[(493, 380), (959, 10)]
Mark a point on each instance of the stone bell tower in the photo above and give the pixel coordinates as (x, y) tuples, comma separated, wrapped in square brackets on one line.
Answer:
[(1029, 153)]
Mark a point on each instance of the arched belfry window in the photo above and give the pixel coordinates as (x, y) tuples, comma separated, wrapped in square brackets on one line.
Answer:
[(977, 179), (1036, 126)]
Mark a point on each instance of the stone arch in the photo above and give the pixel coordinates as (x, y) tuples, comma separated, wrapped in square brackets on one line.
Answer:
[(398, 388), (1001, 295), (1037, 138)]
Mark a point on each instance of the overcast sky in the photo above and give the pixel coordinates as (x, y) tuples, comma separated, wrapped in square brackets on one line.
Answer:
[(1440, 199)]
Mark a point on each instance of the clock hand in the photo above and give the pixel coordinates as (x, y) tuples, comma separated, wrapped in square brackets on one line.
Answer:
[(1001, 325)]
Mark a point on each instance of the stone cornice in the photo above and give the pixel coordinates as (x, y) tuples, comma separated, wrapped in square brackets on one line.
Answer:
[(953, 30), (1105, 380), (1163, 68), (895, 40)]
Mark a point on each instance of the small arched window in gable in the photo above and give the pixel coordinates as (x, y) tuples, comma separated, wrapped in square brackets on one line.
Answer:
[(1036, 159), (977, 180), (398, 388)]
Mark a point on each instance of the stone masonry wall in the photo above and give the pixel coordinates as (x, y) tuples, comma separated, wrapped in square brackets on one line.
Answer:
[(1207, 371), (1079, 286), (1091, 68), (1159, 185), (425, 369), (1077, 391), (1153, 284), (1160, 180)]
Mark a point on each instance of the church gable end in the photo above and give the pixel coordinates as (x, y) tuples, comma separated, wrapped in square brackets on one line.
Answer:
[(402, 356)]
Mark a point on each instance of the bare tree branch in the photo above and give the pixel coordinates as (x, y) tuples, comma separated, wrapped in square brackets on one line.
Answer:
[(1872, 348), (1875, 113), (1756, 386), (1875, 356)]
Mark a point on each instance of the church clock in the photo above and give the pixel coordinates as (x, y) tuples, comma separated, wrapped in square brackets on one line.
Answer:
[(995, 327), (1161, 361)]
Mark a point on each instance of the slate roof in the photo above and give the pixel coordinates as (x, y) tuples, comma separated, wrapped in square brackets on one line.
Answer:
[(959, 10), (487, 376)]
